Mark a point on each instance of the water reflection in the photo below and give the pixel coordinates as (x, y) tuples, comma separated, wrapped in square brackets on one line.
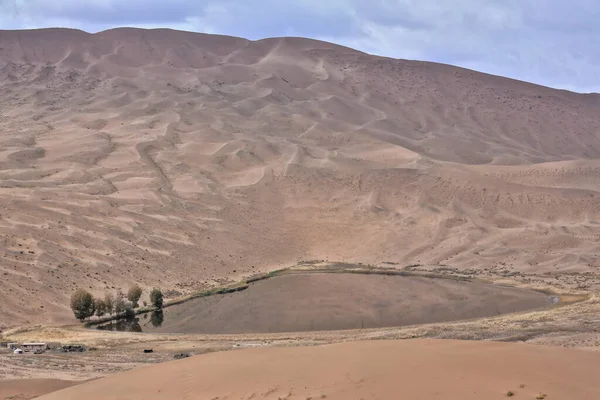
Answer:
[(132, 324), (122, 325), (157, 318)]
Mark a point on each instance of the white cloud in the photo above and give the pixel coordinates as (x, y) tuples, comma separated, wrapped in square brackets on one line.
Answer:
[(551, 42)]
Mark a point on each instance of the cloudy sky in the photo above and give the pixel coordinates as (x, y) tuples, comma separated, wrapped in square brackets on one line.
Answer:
[(551, 42)]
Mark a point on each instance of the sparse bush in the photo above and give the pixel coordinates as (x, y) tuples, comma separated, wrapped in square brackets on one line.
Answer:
[(510, 394), (156, 298), (134, 294), (82, 304), (100, 307), (109, 303), (119, 306), (129, 310)]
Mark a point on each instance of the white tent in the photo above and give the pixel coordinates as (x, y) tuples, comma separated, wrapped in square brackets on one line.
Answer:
[(18, 351)]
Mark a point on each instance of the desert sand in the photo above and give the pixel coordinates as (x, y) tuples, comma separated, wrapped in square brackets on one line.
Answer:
[(25, 389), (410, 369), (185, 159), (188, 160)]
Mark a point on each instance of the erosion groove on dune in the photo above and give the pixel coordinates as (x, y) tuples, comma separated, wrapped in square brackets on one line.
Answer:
[(325, 301), (181, 159)]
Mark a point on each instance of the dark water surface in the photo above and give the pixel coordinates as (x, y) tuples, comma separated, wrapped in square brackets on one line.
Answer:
[(321, 301)]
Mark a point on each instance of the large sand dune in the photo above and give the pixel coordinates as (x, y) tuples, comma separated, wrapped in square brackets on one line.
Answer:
[(410, 369), (181, 159)]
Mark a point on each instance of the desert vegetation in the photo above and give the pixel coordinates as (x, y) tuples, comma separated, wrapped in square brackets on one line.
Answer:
[(156, 298), (84, 305), (134, 294)]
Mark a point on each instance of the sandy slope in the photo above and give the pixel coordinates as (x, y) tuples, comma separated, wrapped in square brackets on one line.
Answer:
[(26, 389), (173, 158), (412, 369)]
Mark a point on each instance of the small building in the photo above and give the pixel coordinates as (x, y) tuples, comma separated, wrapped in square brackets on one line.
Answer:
[(12, 346), (31, 347)]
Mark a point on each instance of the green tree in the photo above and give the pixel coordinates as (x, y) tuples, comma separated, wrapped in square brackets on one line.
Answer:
[(109, 303), (82, 304), (100, 307), (129, 310), (119, 306), (156, 298), (134, 294)]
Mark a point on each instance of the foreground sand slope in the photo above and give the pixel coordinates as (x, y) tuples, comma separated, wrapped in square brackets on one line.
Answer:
[(25, 389), (158, 156), (410, 369)]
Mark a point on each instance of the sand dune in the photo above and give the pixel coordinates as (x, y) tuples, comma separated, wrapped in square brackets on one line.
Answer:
[(182, 159), (412, 369), (25, 389)]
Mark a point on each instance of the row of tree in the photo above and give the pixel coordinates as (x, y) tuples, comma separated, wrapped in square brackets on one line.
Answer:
[(84, 305)]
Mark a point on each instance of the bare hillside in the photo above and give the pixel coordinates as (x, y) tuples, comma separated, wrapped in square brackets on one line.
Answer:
[(179, 159)]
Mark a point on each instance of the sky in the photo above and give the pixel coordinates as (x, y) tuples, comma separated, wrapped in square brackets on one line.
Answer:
[(550, 42)]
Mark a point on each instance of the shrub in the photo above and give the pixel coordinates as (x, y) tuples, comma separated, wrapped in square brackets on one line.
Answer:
[(134, 294), (82, 304), (119, 306), (129, 311), (109, 303), (156, 298), (100, 307)]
